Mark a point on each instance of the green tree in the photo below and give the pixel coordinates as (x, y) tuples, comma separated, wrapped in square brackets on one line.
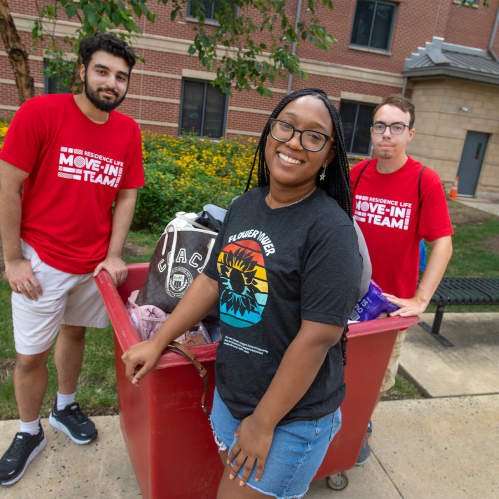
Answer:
[(229, 46)]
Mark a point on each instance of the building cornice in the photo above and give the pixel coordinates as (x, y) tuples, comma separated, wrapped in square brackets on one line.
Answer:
[(450, 73)]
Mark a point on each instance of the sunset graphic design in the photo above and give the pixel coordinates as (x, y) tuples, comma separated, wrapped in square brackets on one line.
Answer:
[(243, 283)]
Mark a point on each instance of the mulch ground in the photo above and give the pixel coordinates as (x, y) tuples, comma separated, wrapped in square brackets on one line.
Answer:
[(493, 244), (6, 369), (133, 250), (461, 214)]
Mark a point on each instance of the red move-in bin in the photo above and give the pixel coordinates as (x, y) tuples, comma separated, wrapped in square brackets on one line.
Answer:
[(169, 438)]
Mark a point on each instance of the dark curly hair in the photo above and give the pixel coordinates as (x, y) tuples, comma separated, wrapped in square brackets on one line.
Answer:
[(337, 181), (108, 43)]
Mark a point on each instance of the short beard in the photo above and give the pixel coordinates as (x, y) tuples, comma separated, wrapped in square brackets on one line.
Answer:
[(385, 155), (101, 103)]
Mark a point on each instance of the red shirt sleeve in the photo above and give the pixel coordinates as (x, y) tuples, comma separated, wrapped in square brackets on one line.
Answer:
[(25, 137), (134, 176), (434, 221)]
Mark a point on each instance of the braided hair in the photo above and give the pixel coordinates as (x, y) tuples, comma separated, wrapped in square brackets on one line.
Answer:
[(337, 180)]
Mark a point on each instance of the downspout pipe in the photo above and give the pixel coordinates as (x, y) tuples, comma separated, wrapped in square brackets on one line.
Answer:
[(293, 50), (404, 88), (492, 38)]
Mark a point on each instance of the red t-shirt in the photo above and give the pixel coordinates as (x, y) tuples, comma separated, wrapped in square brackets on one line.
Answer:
[(386, 207), (75, 169)]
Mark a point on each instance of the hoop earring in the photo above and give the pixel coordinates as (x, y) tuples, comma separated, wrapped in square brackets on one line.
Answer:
[(323, 174)]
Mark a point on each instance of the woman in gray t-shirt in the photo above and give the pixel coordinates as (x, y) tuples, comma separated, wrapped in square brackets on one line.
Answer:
[(286, 270)]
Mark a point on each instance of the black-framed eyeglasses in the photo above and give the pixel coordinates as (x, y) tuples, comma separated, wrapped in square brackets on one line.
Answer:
[(395, 128), (311, 140)]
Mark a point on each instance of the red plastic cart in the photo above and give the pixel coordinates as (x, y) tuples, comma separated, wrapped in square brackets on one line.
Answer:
[(169, 438)]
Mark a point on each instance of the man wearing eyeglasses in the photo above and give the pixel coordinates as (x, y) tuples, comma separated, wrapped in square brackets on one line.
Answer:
[(397, 203)]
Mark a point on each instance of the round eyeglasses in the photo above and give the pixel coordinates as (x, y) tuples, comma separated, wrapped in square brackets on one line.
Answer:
[(395, 128), (310, 140)]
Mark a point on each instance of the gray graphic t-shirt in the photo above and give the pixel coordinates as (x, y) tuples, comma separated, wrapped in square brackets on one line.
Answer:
[(275, 268)]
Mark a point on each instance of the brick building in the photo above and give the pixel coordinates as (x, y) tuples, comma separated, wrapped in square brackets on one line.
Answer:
[(441, 54)]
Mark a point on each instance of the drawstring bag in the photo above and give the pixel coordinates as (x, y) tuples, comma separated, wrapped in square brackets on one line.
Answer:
[(182, 253)]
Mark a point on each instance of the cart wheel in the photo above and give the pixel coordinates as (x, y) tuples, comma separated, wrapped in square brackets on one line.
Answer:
[(339, 481)]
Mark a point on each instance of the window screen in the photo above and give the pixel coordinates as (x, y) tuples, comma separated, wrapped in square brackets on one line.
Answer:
[(53, 85), (203, 109), (372, 26), (210, 8), (357, 120)]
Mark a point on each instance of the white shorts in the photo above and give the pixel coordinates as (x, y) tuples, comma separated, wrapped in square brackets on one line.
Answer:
[(70, 299)]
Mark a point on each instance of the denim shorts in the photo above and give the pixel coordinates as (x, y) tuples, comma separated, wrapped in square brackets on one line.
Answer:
[(295, 455)]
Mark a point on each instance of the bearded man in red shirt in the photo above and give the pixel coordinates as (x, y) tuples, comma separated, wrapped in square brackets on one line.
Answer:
[(73, 156), (397, 203)]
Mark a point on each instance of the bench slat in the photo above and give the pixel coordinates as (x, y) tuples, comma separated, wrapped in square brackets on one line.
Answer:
[(460, 291), (466, 291)]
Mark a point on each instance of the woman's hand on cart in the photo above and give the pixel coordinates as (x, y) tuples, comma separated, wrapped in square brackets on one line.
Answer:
[(140, 359), (252, 447)]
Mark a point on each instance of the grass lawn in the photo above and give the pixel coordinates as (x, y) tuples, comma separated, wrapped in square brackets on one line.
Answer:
[(476, 254), (403, 389)]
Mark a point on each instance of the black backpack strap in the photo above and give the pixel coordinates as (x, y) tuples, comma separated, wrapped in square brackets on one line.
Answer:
[(362, 171), (209, 221), (419, 185)]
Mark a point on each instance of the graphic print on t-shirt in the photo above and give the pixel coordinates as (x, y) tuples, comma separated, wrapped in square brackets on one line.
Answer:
[(77, 164), (243, 283), (384, 212)]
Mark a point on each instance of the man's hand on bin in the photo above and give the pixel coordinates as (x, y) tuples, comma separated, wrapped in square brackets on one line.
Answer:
[(139, 360), (437, 263), (21, 279), (116, 267), (408, 307)]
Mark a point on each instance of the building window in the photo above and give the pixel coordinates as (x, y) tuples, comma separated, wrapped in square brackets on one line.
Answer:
[(357, 119), (210, 9), (373, 24), (203, 110), (53, 84)]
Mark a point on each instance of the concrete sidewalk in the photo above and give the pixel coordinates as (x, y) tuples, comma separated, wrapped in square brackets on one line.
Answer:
[(421, 449), (470, 367), (484, 205)]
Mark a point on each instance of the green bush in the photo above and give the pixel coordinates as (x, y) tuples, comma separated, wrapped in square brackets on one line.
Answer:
[(185, 173)]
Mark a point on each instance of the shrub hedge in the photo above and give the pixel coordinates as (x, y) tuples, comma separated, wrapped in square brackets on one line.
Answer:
[(185, 173)]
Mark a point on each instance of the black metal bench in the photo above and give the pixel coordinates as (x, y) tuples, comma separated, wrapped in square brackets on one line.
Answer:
[(460, 291)]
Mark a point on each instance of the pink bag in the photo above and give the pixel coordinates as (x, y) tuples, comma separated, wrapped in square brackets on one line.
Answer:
[(147, 319)]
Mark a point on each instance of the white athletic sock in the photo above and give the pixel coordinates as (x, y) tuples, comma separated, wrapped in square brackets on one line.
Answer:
[(64, 400), (33, 427)]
